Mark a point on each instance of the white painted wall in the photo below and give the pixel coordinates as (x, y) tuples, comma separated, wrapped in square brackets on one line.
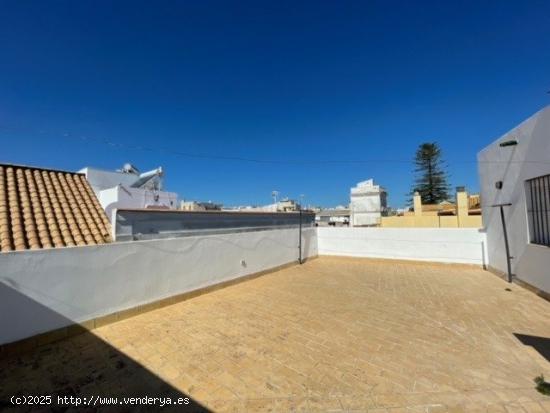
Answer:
[(100, 179), (47, 289), (124, 197), (453, 245), (514, 165)]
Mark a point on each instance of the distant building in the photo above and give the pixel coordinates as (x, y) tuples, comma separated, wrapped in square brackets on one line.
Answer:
[(199, 206), (127, 188), (464, 213), (338, 216), (285, 205), (368, 202)]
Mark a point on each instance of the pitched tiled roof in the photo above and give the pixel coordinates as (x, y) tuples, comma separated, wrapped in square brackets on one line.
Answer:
[(42, 208)]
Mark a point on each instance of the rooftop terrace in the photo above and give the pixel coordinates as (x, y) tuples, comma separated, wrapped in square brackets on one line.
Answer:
[(334, 334)]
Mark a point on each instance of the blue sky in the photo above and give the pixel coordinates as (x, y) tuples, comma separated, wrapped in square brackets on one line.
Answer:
[(285, 81)]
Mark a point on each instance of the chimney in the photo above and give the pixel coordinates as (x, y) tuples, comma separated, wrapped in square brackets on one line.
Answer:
[(417, 204), (461, 203)]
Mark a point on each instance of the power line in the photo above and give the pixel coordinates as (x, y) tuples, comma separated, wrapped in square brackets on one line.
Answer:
[(280, 161), (213, 157)]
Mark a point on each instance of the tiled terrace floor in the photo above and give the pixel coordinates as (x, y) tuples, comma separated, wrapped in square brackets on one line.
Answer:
[(335, 334)]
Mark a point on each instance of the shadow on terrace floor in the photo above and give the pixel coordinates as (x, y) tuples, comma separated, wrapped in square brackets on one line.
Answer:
[(81, 366), (540, 344)]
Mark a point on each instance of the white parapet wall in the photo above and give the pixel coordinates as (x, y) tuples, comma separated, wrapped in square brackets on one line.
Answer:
[(44, 290), (451, 245)]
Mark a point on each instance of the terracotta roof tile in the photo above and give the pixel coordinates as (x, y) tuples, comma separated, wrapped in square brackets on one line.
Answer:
[(44, 209)]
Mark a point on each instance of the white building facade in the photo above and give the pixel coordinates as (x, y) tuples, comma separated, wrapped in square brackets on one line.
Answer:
[(284, 205), (129, 189), (515, 169), (367, 203)]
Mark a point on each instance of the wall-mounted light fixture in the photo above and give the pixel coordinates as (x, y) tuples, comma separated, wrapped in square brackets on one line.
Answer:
[(498, 184), (512, 142)]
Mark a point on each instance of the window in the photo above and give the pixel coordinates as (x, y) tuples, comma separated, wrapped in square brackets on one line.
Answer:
[(538, 209)]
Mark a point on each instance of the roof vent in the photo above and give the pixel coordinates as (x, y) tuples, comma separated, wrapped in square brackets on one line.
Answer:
[(512, 142)]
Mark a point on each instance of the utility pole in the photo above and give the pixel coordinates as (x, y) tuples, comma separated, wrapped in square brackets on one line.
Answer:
[(505, 233), (300, 261)]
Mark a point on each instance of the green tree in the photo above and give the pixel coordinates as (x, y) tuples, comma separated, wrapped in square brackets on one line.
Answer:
[(431, 177)]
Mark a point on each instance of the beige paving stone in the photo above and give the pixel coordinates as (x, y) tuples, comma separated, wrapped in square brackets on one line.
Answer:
[(532, 407), (514, 408), (335, 334), (496, 408)]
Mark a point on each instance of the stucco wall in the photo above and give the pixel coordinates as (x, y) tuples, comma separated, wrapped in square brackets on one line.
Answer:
[(47, 289), (100, 179), (120, 196), (434, 221), (513, 165), (453, 245)]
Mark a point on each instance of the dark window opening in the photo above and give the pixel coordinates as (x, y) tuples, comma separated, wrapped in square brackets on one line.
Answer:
[(538, 209)]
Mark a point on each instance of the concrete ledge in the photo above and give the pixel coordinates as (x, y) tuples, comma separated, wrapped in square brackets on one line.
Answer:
[(31, 343), (521, 283), (404, 261)]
